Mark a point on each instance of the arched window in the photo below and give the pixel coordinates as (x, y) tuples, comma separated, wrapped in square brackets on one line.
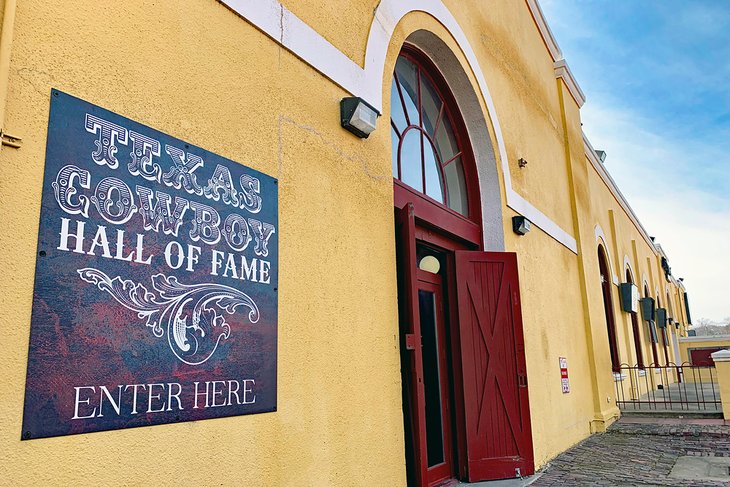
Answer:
[(427, 134), (608, 309)]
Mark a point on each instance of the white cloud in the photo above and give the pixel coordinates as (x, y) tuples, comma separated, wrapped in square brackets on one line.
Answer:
[(657, 174)]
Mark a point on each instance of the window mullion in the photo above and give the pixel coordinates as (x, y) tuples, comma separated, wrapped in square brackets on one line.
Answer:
[(402, 100), (420, 124), (438, 120)]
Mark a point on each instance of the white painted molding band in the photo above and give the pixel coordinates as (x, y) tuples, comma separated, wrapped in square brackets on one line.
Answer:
[(706, 338), (282, 26)]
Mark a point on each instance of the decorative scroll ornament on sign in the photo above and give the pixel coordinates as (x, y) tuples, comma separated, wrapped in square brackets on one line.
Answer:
[(194, 325)]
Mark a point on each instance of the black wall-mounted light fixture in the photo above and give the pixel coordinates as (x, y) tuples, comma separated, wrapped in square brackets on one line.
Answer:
[(522, 162), (521, 225), (358, 116)]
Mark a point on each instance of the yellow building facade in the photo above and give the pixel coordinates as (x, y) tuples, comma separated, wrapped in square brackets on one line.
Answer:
[(261, 83)]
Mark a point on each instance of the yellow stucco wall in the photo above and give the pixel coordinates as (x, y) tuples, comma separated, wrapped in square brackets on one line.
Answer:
[(197, 71), (723, 379)]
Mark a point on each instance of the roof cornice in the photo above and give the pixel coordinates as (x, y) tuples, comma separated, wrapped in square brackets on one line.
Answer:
[(613, 187), (562, 71), (547, 34)]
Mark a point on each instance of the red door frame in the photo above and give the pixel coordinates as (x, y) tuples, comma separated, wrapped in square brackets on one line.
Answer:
[(415, 229), (411, 340)]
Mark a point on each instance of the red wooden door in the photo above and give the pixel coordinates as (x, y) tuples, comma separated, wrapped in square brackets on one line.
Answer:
[(496, 407), (414, 395)]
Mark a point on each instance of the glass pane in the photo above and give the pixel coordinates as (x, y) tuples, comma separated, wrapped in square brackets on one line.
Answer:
[(445, 140), (456, 187), (394, 139), (431, 382), (433, 178), (410, 160), (430, 105), (397, 115), (406, 72)]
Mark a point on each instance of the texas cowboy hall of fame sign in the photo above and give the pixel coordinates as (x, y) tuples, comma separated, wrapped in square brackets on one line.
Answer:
[(155, 295)]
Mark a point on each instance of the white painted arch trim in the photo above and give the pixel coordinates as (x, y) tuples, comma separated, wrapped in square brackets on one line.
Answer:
[(645, 282), (627, 265), (282, 26), (601, 237)]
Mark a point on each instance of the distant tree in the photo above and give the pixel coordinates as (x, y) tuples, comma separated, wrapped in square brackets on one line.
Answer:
[(707, 327)]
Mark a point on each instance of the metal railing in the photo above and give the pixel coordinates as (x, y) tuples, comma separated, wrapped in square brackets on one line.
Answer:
[(672, 387)]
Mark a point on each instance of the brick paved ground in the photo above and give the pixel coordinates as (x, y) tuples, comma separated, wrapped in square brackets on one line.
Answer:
[(638, 452)]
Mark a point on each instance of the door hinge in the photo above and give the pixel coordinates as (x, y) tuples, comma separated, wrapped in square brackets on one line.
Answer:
[(410, 341), (10, 140), (521, 380)]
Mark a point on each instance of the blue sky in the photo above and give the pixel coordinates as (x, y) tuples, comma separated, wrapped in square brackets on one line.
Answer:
[(656, 75)]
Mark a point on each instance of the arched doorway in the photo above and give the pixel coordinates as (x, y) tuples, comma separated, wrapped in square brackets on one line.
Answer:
[(652, 331), (636, 331), (608, 309), (462, 349), (663, 331)]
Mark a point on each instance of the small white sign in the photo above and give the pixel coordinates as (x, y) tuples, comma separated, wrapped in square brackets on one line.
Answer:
[(564, 374)]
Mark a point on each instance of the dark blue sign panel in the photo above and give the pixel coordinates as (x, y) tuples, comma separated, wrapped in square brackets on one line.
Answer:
[(155, 290)]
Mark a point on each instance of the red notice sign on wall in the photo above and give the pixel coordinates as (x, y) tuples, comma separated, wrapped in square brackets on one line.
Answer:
[(564, 374)]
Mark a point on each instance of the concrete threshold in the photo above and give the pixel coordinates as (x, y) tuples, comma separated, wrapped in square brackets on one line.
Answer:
[(516, 482)]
